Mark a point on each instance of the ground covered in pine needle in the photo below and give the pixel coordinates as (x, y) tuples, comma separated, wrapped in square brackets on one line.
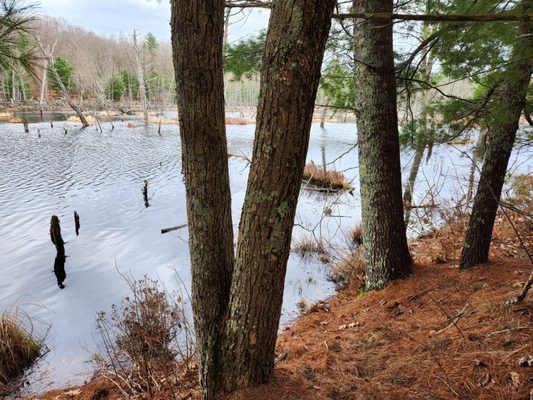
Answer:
[(440, 334)]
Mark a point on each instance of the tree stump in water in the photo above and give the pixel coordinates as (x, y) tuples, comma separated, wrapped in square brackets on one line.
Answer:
[(145, 194), (55, 234), (77, 222), (26, 127)]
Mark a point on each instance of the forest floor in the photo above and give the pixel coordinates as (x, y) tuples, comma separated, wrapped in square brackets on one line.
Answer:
[(440, 334)]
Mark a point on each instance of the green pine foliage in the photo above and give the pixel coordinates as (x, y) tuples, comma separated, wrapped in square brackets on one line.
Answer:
[(114, 88), (481, 54), (16, 51), (244, 58), (65, 70)]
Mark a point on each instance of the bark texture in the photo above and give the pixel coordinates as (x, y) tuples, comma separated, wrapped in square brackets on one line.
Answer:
[(197, 34), (386, 253), (295, 44), (509, 102)]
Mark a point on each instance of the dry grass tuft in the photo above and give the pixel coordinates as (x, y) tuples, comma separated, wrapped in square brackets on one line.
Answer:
[(522, 189), (356, 235), (316, 176), (238, 121), (19, 349), (141, 340), (350, 271), (307, 246)]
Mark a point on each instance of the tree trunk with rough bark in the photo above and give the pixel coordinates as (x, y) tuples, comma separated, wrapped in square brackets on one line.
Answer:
[(510, 100), (197, 34), (294, 50), (386, 253)]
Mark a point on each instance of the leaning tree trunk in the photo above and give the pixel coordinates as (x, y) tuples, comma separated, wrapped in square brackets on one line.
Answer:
[(48, 55), (197, 33), (411, 180), (386, 253), (295, 44), (509, 103), (422, 137)]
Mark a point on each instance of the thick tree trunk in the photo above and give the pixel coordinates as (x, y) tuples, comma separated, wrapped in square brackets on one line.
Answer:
[(290, 74), (386, 253), (509, 102), (197, 34)]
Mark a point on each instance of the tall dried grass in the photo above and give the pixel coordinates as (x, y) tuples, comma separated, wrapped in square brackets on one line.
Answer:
[(317, 176), (142, 339), (20, 348)]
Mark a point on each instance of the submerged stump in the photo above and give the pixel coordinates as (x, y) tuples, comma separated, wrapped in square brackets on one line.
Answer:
[(55, 234), (145, 194), (77, 223)]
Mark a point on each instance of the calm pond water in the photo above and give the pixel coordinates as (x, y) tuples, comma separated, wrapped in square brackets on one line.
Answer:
[(100, 175)]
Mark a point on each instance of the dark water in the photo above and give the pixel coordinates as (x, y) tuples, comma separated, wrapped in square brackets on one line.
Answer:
[(101, 177)]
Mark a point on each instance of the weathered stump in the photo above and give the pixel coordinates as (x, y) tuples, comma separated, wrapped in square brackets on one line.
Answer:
[(145, 194), (77, 222), (55, 235)]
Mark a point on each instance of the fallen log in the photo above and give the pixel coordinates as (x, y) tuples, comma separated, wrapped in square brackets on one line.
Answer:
[(172, 229)]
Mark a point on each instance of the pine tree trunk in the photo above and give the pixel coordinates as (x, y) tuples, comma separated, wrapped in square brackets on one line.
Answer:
[(197, 33), (509, 103), (290, 74), (386, 253)]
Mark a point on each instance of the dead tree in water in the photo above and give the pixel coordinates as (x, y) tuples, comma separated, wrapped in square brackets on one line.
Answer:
[(55, 235), (140, 77), (64, 92), (77, 222), (44, 80), (145, 194)]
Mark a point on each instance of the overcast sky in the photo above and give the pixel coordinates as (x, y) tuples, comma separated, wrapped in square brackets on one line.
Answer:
[(111, 17)]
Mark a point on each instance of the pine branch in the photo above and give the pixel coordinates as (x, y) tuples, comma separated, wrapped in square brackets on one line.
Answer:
[(501, 17)]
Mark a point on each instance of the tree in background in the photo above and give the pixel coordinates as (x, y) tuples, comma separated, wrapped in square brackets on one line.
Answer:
[(65, 71), (152, 78), (130, 83), (244, 58), (114, 88), (386, 253)]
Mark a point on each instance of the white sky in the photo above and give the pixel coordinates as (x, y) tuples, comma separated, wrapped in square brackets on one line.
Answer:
[(112, 17)]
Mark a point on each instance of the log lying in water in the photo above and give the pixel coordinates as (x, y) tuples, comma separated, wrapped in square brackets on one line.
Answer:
[(174, 228)]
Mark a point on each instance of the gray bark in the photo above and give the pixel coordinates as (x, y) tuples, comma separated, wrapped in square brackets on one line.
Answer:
[(386, 253), (510, 99)]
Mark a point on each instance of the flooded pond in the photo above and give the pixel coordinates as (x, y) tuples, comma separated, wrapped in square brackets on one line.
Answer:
[(101, 175)]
